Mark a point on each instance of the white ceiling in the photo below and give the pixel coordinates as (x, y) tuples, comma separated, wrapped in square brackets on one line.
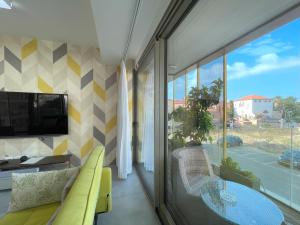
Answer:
[(73, 21), (215, 23), (59, 20), (113, 19), (210, 25)]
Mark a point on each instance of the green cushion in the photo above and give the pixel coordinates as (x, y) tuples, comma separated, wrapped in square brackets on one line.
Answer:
[(33, 216), (104, 203), (80, 205)]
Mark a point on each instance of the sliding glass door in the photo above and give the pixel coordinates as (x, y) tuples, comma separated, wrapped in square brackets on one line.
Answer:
[(264, 111), (195, 123), (233, 129), (145, 124)]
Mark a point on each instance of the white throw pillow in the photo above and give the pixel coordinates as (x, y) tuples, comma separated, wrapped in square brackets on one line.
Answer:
[(35, 189)]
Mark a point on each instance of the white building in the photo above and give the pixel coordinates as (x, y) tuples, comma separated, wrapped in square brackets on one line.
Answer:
[(251, 106)]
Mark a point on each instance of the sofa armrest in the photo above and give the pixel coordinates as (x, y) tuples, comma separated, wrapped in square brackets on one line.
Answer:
[(104, 203)]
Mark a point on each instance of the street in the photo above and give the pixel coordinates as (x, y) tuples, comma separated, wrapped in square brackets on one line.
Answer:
[(276, 180)]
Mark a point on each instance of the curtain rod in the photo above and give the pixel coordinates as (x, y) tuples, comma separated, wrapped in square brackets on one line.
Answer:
[(133, 21)]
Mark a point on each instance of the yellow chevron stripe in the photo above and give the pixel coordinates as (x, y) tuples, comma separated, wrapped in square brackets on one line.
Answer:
[(140, 105), (99, 91), (87, 147), (44, 86), (61, 148), (29, 48), (74, 65), (111, 124), (74, 113), (130, 105)]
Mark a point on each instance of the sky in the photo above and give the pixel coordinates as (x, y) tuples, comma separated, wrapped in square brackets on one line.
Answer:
[(267, 66)]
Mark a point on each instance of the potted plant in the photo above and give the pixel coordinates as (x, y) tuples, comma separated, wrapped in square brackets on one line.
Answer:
[(195, 120), (230, 170), (177, 141)]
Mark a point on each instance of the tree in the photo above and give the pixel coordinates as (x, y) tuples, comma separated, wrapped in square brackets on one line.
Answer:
[(179, 114), (288, 107), (196, 120), (230, 111)]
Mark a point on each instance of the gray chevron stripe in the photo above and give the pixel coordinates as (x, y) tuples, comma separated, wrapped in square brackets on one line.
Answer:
[(86, 79), (99, 136), (60, 52), (99, 113), (1, 67), (111, 145), (12, 59), (110, 81), (47, 141)]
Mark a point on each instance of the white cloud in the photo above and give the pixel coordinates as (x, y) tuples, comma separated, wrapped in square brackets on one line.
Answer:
[(265, 45), (265, 63), (211, 72)]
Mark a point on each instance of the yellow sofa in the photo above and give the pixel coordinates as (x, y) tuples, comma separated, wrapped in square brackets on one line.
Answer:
[(89, 196)]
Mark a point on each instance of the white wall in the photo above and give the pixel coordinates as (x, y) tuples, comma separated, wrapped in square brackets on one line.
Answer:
[(250, 108), (243, 108)]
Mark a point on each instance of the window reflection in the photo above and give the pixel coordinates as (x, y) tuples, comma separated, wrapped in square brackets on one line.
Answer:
[(257, 148), (145, 104)]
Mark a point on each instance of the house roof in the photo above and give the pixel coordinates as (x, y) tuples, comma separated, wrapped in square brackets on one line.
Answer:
[(253, 97), (179, 101)]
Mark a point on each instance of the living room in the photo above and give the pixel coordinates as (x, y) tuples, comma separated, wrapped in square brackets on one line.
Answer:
[(149, 112)]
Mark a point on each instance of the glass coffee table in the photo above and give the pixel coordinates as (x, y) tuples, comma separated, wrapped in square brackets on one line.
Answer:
[(238, 204)]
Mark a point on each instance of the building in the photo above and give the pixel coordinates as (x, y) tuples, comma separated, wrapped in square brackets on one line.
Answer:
[(251, 106)]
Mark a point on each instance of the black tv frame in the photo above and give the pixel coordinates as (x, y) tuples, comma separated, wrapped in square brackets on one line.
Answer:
[(39, 135)]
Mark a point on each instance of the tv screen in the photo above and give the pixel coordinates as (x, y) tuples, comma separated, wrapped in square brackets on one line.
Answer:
[(33, 114)]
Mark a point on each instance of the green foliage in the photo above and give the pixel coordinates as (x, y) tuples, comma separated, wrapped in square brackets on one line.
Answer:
[(179, 114), (196, 120), (289, 108), (177, 141), (229, 164), (230, 111)]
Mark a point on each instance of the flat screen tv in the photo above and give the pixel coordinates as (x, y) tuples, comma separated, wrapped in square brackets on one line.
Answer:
[(33, 114)]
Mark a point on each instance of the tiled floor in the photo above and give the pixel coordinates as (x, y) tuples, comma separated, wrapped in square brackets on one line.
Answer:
[(148, 179), (130, 203)]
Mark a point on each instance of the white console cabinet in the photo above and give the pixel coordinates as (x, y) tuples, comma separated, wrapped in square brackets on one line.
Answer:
[(5, 177)]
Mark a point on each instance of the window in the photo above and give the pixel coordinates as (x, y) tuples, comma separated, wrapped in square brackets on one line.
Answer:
[(211, 87), (191, 79), (145, 132), (257, 138), (269, 137)]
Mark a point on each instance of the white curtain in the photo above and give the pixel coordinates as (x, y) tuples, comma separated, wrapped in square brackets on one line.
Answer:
[(124, 155), (148, 125)]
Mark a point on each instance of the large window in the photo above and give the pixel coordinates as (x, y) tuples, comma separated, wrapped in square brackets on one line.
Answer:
[(226, 136), (145, 131), (264, 111)]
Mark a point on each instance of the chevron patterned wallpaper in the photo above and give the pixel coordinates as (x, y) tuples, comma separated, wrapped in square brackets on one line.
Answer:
[(28, 64)]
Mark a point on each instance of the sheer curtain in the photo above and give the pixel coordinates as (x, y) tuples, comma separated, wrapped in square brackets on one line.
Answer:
[(148, 128), (124, 157)]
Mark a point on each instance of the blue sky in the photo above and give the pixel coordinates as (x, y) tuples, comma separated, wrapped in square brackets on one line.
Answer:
[(269, 66)]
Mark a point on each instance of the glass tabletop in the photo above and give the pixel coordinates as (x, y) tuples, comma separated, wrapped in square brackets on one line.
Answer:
[(239, 204)]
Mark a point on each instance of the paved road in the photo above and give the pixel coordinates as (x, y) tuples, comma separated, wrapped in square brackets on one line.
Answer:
[(276, 179)]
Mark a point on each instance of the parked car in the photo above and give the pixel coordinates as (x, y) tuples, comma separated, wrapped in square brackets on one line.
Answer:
[(286, 157), (231, 140)]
